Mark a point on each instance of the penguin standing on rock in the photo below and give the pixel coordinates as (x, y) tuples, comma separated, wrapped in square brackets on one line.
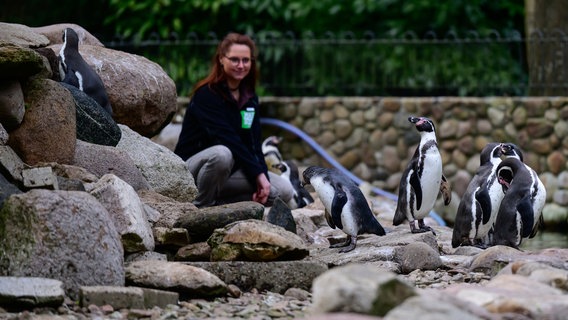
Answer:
[(75, 71), (422, 180), (480, 203), (345, 205), (520, 213), (289, 171)]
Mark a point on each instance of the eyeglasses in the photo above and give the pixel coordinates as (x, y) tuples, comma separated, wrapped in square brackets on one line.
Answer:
[(235, 61)]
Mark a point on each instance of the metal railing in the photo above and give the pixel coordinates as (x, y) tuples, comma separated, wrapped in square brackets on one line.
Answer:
[(348, 64)]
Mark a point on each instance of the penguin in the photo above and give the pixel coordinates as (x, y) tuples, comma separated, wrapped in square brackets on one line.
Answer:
[(538, 190), (480, 203), (520, 213), (422, 180), (271, 153), (75, 71), (346, 207), (289, 171)]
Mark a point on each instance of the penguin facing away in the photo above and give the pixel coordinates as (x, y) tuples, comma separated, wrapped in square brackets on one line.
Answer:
[(520, 213), (422, 180), (479, 205), (289, 171), (346, 207), (271, 153), (75, 71)]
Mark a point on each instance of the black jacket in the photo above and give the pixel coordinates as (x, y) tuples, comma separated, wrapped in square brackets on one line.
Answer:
[(213, 117)]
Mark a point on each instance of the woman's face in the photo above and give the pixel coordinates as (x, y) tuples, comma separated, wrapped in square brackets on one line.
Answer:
[(237, 62)]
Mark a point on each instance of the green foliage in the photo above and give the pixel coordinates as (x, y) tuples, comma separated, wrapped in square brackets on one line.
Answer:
[(338, 66), (388, 17)]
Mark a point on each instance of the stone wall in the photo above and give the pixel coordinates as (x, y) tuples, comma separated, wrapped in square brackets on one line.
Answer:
[(372, 137)]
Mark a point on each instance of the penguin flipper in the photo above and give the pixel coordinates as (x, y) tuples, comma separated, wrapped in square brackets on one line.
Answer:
[(484, 201), (339, 200), (400, 211), (399, 216), (525, 209), (329, 219), (446, 190), (538, 226), (71, 78), (415, 184)]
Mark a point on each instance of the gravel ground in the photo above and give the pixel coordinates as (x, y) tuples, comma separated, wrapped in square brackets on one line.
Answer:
[(252, 305)]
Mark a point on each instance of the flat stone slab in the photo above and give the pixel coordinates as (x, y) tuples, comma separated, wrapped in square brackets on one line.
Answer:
[(126, 297), (30, 292), (276, 276)]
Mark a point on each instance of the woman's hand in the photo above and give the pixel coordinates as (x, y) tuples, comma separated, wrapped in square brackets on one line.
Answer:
[(262, 189)]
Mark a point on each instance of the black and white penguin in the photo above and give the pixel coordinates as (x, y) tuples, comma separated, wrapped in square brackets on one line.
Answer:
[(289, 171), (480, 203), (345, 205), (75, 71), (538, 190), (271, 153), (520, 213), (422, 180)]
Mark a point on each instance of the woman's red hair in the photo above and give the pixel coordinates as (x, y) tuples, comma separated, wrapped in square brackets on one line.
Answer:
[(217, 74)]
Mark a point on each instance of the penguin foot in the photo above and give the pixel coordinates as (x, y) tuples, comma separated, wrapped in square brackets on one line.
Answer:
[(422, 230), (347, 246), (342, 244), (421, 227)]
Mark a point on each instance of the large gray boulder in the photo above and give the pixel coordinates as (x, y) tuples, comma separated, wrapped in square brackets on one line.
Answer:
[(22, 35), (48, 130), (359, 288), (200, 223), (255, 240), (94, 123), (54, 33), (63, 235), (101, 160), (188, 281), (18, 62), (165, 171), (127, 212)]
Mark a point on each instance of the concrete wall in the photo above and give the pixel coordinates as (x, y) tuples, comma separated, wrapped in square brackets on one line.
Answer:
[(372, 137)]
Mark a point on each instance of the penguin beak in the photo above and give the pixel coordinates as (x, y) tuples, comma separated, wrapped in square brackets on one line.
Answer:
[(413, 119)]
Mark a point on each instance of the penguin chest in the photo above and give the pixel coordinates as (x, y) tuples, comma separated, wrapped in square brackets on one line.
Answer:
[(326, 193), (324, 190), (538, 200), (350, 224), (430, 176), (496, 194)]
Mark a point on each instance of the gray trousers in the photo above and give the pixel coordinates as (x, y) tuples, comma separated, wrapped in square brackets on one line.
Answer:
[(211, 169)]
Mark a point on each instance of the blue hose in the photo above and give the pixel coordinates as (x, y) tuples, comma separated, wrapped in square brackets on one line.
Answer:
[(314, 145)]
